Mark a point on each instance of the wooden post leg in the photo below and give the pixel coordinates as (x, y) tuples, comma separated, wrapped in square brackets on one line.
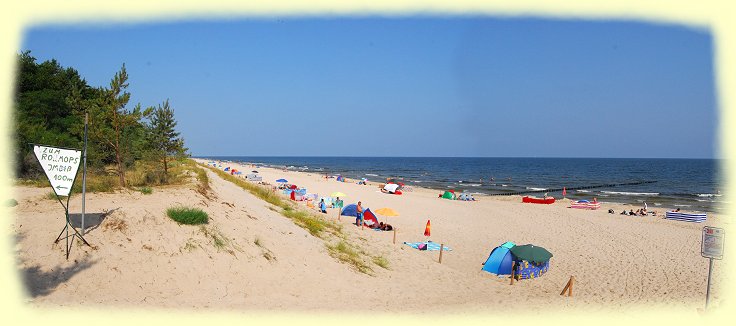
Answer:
[(568, 287), (572, 282), (394, 235), (442, 246), (513, 270)]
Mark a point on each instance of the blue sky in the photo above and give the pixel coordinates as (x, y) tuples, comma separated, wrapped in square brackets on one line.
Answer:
[(411, 86)]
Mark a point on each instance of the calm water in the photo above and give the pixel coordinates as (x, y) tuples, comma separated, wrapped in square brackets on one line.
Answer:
[(692, 184)]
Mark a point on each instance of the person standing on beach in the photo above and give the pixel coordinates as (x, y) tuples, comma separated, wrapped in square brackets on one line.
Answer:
[(359, 214), (323, 206), (338, 203)]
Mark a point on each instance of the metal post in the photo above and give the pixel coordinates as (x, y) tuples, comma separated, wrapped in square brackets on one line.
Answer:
[(84, 167), (707, 290)]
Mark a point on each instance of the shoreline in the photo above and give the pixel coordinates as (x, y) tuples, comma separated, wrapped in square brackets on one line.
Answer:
[(623, 202)]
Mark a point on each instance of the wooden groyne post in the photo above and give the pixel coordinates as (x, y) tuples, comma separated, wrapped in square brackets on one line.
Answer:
[(442, 246), (568, 287)]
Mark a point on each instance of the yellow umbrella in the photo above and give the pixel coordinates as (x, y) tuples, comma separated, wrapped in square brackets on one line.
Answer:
[(386, 212), (338, 194)]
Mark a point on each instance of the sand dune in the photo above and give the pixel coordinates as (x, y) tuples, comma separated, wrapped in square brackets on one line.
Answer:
[(142, 258)]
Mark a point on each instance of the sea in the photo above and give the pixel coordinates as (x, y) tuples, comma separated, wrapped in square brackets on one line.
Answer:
[(690, 184)]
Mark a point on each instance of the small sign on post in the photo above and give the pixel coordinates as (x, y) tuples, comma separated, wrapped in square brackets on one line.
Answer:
[(711, 248), (61, 166)]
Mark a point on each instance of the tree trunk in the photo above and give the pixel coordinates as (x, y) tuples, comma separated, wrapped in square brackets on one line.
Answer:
[(121, 172), (166, 170)]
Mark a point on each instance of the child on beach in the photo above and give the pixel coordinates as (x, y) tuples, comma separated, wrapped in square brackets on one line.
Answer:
[(359, 215)]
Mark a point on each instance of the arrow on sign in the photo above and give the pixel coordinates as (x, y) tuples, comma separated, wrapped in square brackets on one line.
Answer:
[(60, 187)]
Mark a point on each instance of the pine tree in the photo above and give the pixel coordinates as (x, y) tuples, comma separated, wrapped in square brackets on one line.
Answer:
[(165, 140), (109, 120)]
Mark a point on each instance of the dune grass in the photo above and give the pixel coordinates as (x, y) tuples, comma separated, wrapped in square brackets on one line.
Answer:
[(316, 225), (140, 174), (381, 261), (346, 253), (218, 240), (146, 190), (187, 215)]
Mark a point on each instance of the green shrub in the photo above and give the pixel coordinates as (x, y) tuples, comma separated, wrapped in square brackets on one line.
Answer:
[(187, 215), (11, 202), (146, 190)]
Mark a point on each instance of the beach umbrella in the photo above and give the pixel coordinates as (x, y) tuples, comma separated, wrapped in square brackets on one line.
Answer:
[(387, 212), (531, 253), (282, 180), (426, 229), (338, 194)]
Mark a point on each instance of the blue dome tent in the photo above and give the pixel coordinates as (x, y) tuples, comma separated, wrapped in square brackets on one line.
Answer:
[(500, 259), (350, 210)]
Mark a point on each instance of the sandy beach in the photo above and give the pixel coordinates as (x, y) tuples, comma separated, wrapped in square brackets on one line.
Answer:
[(141, 258)]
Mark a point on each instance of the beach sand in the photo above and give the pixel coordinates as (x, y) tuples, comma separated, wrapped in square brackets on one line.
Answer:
[(141, 258)]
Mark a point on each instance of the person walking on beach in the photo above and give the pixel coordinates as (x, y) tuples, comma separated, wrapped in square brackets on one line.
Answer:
[(359, 215)]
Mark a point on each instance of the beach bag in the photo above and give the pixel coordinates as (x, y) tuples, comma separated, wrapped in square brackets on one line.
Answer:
[(422, 246)]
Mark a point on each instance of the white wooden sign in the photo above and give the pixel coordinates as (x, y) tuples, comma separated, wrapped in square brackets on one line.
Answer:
[(712, 246), (60, 165)]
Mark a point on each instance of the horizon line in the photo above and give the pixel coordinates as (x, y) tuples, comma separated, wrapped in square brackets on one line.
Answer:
[(560, 157)]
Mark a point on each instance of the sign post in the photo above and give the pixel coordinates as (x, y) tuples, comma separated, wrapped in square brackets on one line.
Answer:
[(711, 248), (61, 166), (84, 168)]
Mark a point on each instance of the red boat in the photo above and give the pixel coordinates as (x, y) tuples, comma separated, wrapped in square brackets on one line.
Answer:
[(535, 200)]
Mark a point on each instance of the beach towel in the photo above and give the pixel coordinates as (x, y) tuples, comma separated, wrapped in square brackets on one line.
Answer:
[(431, 246)]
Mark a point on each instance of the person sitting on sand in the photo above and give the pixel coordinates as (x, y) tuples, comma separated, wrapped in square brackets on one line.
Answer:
[(676, 210), (624, 212), (387, 227), (610, 211), (631, 212)]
